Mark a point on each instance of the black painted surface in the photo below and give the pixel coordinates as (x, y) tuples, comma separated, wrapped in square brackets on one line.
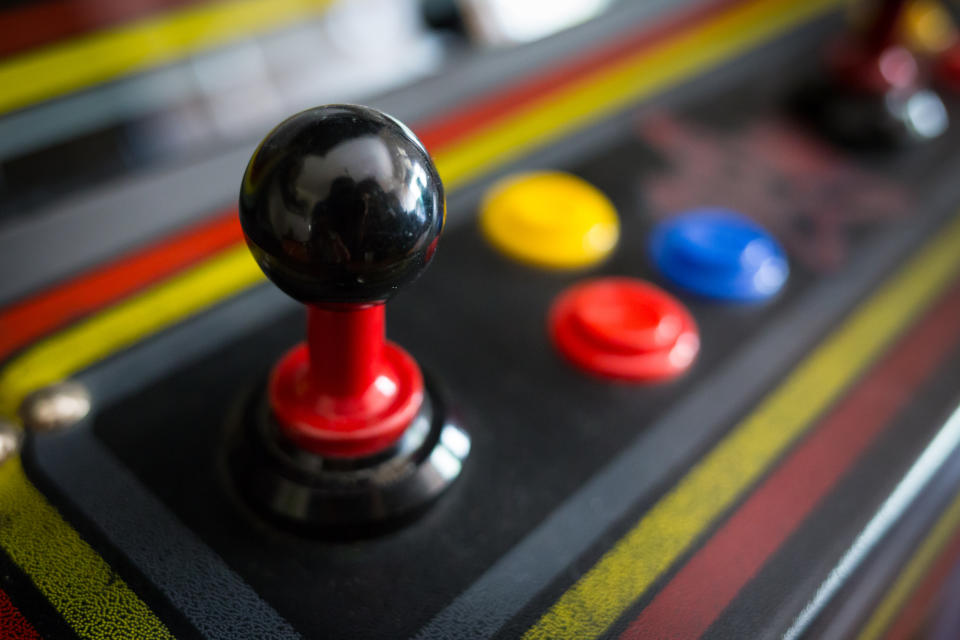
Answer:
[(540, 428)]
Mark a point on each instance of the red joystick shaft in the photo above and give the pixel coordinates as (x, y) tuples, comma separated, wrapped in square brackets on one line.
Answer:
[(346, 348), (871, 60), (881, 30), (346, 392)]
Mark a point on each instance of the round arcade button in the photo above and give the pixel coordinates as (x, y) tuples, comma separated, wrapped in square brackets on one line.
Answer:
[(625, 329), (550, 219), (926, 27), (719, 254)]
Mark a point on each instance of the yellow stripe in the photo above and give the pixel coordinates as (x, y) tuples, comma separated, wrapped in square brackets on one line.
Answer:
[(106, 55), (913, 572), (92, 599), (671, 526), (129, 321), (634, 78)]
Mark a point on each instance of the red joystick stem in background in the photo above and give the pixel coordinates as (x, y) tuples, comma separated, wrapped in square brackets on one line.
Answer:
[(871, 60), (346, 392), (881, 31), (948, 68)]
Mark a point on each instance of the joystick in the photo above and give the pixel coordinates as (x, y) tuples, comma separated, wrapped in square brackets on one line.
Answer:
[(341, 206), (872, 91)]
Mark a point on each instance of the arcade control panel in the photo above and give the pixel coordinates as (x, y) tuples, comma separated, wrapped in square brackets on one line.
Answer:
[(647, 330)]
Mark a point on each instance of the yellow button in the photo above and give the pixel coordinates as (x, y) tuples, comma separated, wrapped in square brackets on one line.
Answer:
[(550, 219), (927, 27)]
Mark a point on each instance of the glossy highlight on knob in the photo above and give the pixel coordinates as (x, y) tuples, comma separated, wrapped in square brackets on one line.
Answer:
[(341, 204)]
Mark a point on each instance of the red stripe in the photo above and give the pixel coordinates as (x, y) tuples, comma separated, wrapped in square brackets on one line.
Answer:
[(486, 111), (43, 23), (30, 319), (918, 608), (13, 626), (704, 587)]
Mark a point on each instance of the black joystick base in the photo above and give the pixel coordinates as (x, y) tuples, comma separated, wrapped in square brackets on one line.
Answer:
[(342, 497), (871, 92), (865, 120)]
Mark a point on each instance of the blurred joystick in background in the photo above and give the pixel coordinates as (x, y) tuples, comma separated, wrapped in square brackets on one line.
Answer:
[(872, 90), (341, 206)]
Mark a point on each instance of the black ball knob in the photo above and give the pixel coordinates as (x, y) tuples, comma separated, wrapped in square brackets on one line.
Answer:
[(341, 204)]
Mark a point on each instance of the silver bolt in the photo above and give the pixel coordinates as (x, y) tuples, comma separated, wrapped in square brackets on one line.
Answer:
[(10, 438), (58, 406)]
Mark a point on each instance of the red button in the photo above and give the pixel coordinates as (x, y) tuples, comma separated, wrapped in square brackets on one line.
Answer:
[(625, 329)]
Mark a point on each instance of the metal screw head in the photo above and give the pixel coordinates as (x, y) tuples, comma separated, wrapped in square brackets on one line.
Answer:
[(58, 406), (10, 439)]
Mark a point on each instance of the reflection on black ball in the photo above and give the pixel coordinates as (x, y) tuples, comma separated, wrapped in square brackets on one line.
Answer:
[(341, 204)]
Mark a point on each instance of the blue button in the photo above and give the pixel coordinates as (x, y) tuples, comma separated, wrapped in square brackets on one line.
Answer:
[(719, 254)]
